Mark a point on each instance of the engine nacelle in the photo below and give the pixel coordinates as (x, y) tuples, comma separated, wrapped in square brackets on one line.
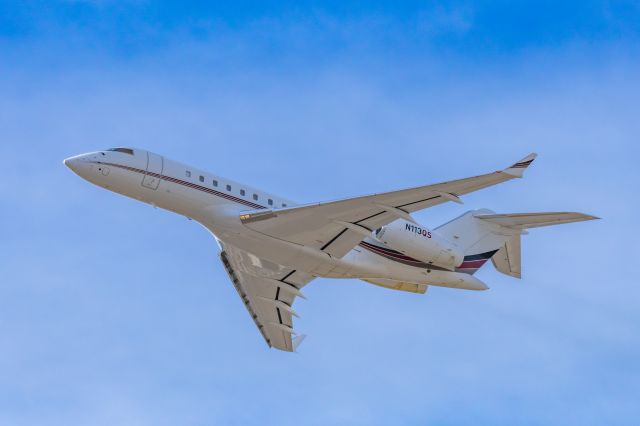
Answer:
[(420, 243)]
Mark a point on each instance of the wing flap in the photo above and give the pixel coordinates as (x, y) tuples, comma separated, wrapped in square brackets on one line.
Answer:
[(268, 292)]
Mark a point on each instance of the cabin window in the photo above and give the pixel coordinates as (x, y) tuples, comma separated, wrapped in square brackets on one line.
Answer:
[(124, 150), (188, 173), (201, 178), (215, 182), (242, 192), (255, 197), (284, 205), (228, 187), (270, 201)]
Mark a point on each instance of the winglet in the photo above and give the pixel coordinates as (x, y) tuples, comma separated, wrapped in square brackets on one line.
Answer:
[(297, 340), (518, 168)]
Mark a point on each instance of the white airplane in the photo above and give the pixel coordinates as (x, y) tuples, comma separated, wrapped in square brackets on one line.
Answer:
[(272, 247)]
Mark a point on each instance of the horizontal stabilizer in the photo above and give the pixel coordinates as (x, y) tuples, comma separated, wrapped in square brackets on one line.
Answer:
[(534, 220), (508, 259)]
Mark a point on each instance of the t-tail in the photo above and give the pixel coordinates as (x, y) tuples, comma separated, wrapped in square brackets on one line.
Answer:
[(484, 235)]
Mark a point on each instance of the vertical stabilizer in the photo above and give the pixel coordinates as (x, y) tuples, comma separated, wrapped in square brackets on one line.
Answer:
[(482, 235), (507, 259), (478, 239)]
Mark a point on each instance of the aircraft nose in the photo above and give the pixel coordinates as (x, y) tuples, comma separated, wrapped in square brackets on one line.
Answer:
[(79, 164), (72, 163)]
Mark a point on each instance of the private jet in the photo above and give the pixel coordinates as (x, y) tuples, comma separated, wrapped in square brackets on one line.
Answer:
[(271, 247)]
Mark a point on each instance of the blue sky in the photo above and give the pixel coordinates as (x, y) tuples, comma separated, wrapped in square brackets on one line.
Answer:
[(112, 312)]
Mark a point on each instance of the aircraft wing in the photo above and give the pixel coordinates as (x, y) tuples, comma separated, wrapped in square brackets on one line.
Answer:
[(268, 291), (336, 227)]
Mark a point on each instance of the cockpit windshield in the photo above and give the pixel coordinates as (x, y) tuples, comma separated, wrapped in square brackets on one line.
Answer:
[(125, 150)]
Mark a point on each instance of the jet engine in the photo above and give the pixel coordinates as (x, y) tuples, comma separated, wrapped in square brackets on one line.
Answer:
[(421, 244)]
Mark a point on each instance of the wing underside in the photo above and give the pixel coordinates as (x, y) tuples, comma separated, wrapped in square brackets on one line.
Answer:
[(336, 227), (268, 292)]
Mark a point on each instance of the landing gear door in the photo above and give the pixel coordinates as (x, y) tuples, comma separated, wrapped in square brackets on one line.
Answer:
[(155, 165)]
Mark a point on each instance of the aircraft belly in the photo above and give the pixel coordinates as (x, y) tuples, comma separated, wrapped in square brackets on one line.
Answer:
[(281, 252), (371, 265)]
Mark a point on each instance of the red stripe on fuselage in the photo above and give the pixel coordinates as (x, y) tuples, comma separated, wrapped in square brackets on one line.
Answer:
[(468, 266), (188, 184), (475, 264), (385, 249), (388, 252)]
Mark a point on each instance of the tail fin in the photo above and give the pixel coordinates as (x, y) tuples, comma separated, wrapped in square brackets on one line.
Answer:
[(507, 259), (484, 235)]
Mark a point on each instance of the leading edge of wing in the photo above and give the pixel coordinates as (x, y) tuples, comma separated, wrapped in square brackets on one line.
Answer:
[(268, 294), (437, 190), (235, 280)]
